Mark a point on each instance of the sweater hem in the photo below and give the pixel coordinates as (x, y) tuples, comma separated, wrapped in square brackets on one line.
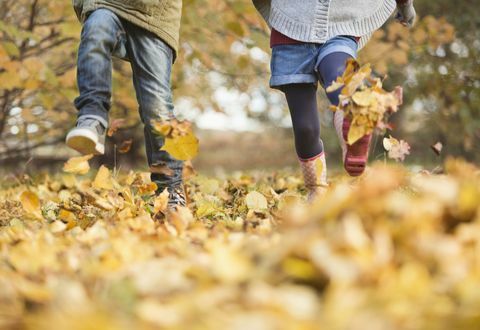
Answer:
[(365, 26), (170, 40), (290, 27), (322, 28), (162, 34)]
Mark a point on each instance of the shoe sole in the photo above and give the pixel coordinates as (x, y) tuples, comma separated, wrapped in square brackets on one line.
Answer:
[(85, 142)]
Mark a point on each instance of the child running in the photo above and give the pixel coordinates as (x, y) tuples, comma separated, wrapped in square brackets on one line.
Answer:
[(145, 33), (311, 41)]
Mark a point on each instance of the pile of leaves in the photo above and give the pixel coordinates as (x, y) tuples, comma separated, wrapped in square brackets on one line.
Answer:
[(364, 101), (391, 250)]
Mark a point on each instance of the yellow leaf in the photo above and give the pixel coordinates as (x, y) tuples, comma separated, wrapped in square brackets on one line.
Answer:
[(364, 98), (183, 147), (77, 165), (256, 201), (334, 86), (355, 133), (147, 188), (161, 202), (206, 208), (181, 218), (103, 179), (387, 144), (163, 128), (31, 203)]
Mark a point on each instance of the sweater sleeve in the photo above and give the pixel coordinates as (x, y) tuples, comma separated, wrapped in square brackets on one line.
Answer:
[(263, 7)]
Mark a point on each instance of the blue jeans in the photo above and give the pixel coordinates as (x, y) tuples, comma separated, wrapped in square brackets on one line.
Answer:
[(104, 35)]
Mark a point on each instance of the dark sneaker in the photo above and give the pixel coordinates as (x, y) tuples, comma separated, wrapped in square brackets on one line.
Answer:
[(177, 197), (88, 136)]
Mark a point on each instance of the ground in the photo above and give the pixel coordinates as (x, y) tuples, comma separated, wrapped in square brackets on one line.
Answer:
[(390, 250)]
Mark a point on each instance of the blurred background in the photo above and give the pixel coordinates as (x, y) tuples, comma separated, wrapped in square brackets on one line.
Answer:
[(220, 83)]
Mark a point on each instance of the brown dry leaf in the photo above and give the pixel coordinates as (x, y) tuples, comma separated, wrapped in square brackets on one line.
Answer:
[(161, 169), (78, 165), (125, 146), (188, 170), (147, 188), (115, 125)]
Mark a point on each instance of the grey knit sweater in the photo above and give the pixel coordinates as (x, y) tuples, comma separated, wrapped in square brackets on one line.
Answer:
[(317, 21)]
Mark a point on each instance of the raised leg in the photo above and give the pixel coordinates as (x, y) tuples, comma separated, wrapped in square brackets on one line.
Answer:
[(355, 156)]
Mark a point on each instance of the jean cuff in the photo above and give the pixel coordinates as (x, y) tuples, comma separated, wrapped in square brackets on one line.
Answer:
[(280, 80), (99, 115)]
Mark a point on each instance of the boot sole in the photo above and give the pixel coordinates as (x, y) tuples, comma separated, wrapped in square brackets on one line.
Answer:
[(356, 157), (85, 142)]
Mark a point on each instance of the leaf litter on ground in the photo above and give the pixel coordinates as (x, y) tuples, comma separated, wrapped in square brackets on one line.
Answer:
[(393, 249)]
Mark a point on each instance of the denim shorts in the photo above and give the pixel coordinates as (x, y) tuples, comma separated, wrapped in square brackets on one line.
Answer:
[(298, 63)]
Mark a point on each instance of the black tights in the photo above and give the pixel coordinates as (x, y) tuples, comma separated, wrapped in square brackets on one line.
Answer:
[(302, 103)]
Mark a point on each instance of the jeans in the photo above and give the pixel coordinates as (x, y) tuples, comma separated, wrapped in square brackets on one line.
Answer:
[(299, 63), (104, 35)]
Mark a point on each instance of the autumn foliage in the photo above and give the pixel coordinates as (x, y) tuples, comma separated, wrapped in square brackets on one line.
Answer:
[(392, 250), (95, 248)]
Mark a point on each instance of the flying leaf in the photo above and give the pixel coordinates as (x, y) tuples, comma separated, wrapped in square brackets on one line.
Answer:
[(115, 125), (437, 148), (125, 146), (103, 179), (78, 165), (397, 150), (355, 133), (387, 144), (183, 147)]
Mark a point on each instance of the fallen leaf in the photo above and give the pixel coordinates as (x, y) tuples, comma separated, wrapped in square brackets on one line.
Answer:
[(161, 202), (256, 201), (31, 204)]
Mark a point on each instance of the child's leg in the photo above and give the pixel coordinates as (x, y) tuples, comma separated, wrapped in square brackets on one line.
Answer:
[(302, 103), (100, 35), (151, 62), (354, 156)]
